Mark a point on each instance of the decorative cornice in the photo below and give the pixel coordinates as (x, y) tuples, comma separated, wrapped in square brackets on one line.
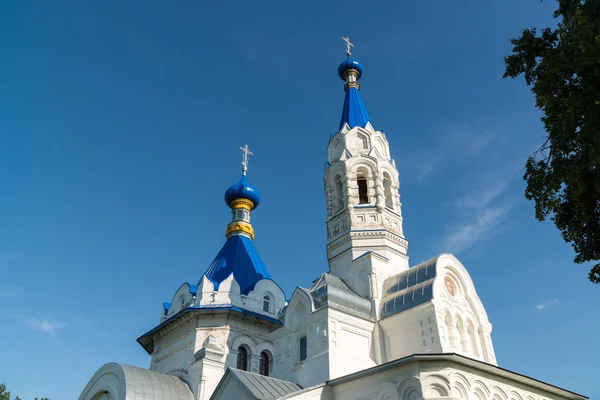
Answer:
[(187, 314), (239, 226), (379, 232), (242, 203), (355, 85)]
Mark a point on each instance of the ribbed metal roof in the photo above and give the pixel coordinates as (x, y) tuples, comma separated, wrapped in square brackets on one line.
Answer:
[(140, 383), (354, 112), (330, 290), (264, 387), (409, 288), (239, 257)]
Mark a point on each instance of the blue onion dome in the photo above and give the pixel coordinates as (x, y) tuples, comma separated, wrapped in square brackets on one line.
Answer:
[(242, 190), (350, 64)]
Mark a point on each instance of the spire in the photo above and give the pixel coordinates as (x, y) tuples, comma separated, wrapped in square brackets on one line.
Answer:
[(238, 256), (354, 112)]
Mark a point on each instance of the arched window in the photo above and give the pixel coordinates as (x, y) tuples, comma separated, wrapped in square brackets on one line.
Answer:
[(264, 364), (363, 191), (242, 358), (266, 304), (302, 348), (387, 191), (338, 198)]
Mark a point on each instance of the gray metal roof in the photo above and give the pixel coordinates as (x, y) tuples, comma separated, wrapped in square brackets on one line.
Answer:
[(264, 387), (331, 291), (139, 384), (408, 289)]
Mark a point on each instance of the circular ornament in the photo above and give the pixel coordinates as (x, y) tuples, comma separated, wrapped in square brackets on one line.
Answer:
[(450, 286)]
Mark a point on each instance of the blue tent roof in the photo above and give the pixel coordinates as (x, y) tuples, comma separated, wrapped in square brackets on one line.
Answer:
[(354, 112), (239, 257)]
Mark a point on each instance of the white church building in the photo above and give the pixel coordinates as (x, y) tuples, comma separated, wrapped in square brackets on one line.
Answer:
[(372, 327)]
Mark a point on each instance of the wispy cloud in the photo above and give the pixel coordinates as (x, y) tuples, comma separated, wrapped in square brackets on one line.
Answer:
[(46, 325), (480, 212), (453, 145), (482, 224), (483, 196), (477, 164), (548, 303)]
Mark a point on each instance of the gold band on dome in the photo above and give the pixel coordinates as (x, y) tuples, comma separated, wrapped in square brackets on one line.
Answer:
[(351, 71), (352, 84), (240, 227), (242, 203)]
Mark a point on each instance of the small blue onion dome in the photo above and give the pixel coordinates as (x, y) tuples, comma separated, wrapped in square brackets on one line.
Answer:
[(242, 190), (350, 64)]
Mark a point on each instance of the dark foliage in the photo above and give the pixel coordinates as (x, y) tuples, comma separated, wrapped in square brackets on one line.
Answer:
[(562, 66)]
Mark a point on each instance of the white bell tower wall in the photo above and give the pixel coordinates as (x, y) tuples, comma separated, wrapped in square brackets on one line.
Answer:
[(364, 213)]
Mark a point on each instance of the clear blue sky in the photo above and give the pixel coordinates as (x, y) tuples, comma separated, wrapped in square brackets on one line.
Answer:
[(120, 123)]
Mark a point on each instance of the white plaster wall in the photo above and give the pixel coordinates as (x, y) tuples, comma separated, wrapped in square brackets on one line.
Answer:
[(411, 332), (351, 344), (175, 350), (300, 320), (338, 343), (367, 263), (433, 380)]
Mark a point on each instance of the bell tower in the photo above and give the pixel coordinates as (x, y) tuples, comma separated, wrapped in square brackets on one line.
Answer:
[(366, 242)]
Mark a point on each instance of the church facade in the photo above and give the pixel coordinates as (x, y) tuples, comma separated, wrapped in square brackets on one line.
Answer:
[(372, 327)]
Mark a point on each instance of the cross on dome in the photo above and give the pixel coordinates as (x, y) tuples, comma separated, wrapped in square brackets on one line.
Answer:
[(348, 45), (246, 153)]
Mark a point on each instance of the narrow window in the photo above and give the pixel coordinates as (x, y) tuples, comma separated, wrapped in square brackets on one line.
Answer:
[(266, 304), (303, 348), (338, 198), (363, 196), (264, 364), (387, 191), (362, 176), (242, 359)]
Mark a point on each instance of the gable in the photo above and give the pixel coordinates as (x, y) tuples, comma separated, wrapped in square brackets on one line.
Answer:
[(244, 385), (232, 389)]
